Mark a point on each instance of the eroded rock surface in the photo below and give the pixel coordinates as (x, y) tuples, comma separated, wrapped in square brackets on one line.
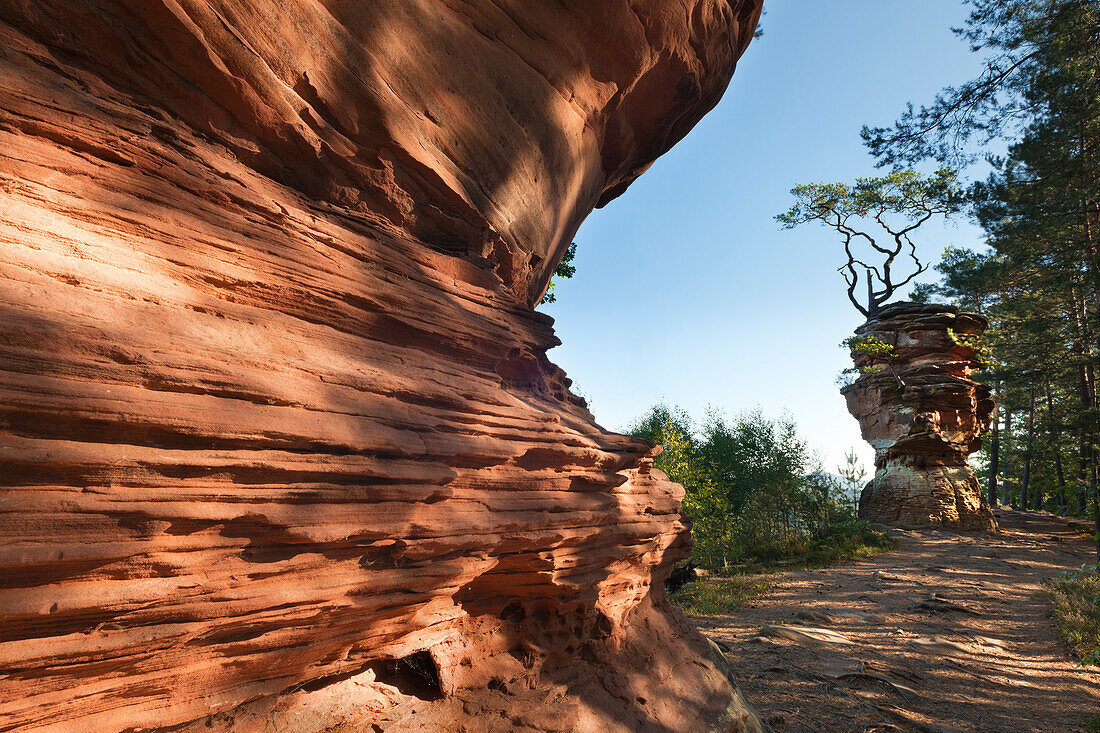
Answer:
[(280, 447), (924, 416)]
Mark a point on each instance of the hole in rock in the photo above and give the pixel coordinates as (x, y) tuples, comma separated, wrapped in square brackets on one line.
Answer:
[(514, 612), (384, 556), (266, 555), (602, 628), (415, 675), (526, 656), (497, 684), (521, 370)]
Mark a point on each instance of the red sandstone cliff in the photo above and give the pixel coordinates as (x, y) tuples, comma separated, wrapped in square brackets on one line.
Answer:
[(280, 447), (924, 415)]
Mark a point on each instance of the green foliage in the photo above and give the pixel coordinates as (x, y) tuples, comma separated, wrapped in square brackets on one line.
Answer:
[(893, 206), (1033, 52), (868, 346), (1036, 356), (973, 341), (864, 348), (904, 193), (751, 490), (713, 596), (1039, 281), (852, 474), (923, 293), (565, 270), (849, 540), (671, 428), (1075, 605), (848, 377)]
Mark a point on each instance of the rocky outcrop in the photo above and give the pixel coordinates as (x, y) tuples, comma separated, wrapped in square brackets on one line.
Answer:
[(280, 446), (923, 414)]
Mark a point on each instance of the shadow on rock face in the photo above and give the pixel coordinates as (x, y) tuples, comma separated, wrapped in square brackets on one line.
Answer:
[(279, 438)]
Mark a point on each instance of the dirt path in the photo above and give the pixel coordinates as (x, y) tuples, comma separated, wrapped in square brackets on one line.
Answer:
[(947, 633)]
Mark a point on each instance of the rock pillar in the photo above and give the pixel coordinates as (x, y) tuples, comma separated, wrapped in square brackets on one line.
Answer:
[(918, 406)]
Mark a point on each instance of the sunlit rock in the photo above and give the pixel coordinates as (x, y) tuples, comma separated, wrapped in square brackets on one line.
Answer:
[(924, 415), (280, 447)]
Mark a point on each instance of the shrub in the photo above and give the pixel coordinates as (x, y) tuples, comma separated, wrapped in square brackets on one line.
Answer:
[(1075, 604), (751, 493), (713, 596)]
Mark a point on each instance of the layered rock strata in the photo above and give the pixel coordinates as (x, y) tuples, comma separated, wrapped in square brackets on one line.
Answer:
[(280, 446), (921, 411)]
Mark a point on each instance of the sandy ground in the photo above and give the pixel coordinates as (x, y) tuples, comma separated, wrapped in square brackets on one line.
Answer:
[(947, 633)]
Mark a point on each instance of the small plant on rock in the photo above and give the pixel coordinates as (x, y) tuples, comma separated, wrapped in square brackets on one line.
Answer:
[(565, 270), (868, 346)]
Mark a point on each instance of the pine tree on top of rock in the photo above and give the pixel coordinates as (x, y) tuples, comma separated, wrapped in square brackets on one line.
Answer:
[(875, 218)]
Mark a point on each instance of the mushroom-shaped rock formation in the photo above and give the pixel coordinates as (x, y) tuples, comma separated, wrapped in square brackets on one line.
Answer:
[(280, 447), (922, 413)]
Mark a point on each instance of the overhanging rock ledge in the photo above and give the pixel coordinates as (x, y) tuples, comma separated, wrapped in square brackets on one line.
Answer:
[(280, 447)]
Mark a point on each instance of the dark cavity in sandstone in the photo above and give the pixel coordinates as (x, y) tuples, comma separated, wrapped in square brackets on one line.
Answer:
[(924, 415), (280, 447)]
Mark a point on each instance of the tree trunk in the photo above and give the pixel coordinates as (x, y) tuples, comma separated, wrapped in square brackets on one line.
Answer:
[(1086, 393), (1082, 495), (1006, 444), (1025, 483), (1096, 522), (1094, 491), (995, 453), (1055, 437), (1087, 208), (1061, 474)]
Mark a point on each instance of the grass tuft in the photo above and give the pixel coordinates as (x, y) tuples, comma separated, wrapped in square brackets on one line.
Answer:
[(1075, 606), (714, 596), (856, 541), (845, 543), (738, 586)]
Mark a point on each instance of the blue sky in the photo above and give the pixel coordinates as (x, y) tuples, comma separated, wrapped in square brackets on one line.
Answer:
[(687, 291)]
